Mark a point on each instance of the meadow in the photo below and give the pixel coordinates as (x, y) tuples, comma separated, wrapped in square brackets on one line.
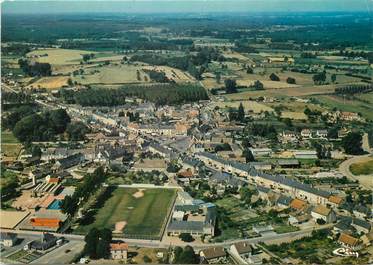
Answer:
[(363, 168)]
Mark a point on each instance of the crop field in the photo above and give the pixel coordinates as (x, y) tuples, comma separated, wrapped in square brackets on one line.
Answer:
[(365, 108), (58, 56), (137, 213), (50, 82), (172, 73), (294, 115), (10, 147), (248, 106), (112, 74)]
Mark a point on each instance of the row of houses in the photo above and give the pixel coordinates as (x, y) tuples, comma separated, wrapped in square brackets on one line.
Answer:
[(275, 182)]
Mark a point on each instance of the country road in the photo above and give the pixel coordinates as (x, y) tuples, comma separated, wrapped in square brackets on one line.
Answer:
[(365, 180)]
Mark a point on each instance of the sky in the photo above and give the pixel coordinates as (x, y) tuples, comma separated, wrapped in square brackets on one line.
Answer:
[(180, 6)]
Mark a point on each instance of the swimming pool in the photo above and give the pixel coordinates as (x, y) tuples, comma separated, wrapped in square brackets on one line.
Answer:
[(55, 205)]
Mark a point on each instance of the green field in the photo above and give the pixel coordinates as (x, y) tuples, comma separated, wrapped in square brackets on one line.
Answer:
[(145, 216), (10, 146), (365, 108), (363, 168), (7, 137)]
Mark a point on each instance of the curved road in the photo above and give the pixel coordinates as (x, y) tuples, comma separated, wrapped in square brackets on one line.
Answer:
[(365, 181)]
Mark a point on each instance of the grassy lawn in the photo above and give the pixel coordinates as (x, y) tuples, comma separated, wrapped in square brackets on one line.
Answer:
[(286, 229), (145, 216), (363, 168), (7, 137)]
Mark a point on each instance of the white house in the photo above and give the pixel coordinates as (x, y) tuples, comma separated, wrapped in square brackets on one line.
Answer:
[(118, 251), (324, 213)]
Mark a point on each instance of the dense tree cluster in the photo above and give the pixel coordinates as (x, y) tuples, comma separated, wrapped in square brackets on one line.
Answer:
[(9, 185), (35, 68), (353, 89), (230, 86), (9, 120), (97, 243), (185, 256), (352, 143), (319, 78), (263, 130), (76, 131), (89, 185), (94, 97), (41, 127), (160, 94), (194, 64), (157, 76)]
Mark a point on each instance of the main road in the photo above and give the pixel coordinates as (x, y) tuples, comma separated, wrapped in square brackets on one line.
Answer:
[(197, 246)]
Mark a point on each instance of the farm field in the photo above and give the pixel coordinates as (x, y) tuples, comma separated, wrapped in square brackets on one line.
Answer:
[(112, 74), (247, 104), (294, 115), (10, 147), (50, 82), (172, 73), (137, 213), (58, 56), (363, 168), (365, 108)]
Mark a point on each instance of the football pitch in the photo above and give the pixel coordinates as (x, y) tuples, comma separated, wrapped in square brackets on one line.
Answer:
[(133, 213)]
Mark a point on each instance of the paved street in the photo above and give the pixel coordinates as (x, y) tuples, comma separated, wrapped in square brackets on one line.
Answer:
[(365, 181), (62, 255)]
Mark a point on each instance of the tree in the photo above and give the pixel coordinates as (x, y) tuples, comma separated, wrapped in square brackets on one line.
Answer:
[(186, 237), (36, 151), (70, 82), (188, 256), (274, 77), (230, 86), (241, 113), (248, 155), (352, 143), (76, 131), (288, 122), (102, 249), (320, 221), (290, 80), (106, 235), (258, 85), (333, 77), (91, 242), (319, 78), (333, 133), (249, 70)]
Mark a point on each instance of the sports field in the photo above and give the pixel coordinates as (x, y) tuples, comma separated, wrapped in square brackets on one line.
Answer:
[(136, 213)]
